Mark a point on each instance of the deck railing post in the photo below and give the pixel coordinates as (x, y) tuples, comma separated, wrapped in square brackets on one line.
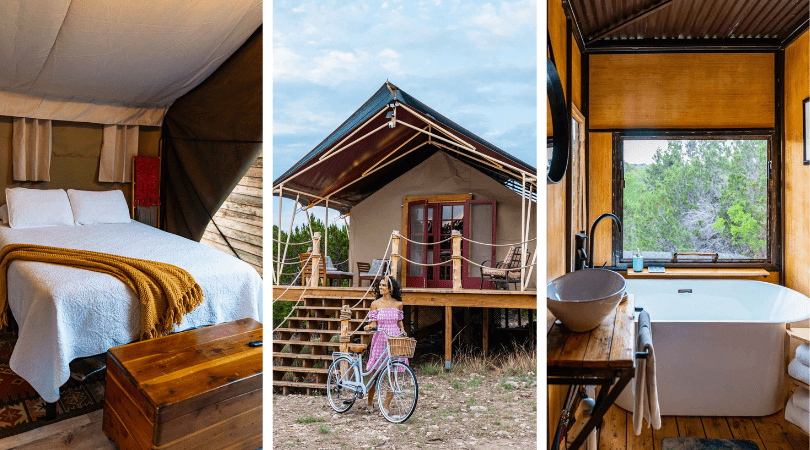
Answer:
[(395, 255), (456, 260), (316, 259)]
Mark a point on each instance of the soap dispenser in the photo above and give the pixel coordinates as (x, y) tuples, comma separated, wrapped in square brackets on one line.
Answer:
[(638, 261)]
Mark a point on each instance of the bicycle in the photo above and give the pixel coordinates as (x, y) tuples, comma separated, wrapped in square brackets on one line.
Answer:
[(396, 381)]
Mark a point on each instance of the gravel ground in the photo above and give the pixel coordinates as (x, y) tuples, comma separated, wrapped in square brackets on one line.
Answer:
[(455, 411)]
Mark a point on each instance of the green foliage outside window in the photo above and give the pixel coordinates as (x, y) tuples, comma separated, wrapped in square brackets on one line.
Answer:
[(701, 196)]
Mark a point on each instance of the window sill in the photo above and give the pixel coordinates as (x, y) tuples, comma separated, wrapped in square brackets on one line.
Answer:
[(699, 273)]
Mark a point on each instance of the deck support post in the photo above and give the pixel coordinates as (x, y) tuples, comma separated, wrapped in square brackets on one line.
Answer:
[(395, 255), (448, 336), (485, 330), (316, 259), (456, 260)]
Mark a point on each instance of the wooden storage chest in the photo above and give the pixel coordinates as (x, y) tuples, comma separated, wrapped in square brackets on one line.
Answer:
[(197, 389)]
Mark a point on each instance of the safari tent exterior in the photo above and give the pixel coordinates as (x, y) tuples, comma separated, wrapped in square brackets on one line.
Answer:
[(406, 175)]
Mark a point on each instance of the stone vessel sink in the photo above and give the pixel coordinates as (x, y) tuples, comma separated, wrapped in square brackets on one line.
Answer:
[(582, 299)]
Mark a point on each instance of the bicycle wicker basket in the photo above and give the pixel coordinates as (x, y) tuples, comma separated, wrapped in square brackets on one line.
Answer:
[(402, 346)]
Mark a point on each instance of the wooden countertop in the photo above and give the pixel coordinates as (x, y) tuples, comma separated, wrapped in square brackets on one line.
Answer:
[(610, 345), (681, 272)]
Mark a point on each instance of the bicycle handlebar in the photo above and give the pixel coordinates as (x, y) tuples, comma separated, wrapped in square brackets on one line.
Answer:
[(386, 333)]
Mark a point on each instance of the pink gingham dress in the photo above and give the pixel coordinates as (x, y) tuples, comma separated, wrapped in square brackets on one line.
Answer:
[(386, 319)]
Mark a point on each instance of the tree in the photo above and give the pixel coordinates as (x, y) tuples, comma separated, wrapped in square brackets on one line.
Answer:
[(300, 235), (699, 196)]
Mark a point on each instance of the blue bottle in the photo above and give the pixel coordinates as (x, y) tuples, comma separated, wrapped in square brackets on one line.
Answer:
[(638, 261)]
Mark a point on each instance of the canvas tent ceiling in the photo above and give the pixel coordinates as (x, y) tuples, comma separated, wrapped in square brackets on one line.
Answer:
[(109, 62), (348, 170)]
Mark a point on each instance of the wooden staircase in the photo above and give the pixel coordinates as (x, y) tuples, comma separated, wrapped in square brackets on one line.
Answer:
[(302, 351)]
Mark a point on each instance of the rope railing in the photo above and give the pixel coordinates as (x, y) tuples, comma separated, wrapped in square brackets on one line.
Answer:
[(291, 263), (294, 280), (497, 245), (292, 243), (424, 243), (426, 264), (504, 268)]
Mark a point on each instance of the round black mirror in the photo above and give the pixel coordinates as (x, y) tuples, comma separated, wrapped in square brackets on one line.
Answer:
[(558, 160)]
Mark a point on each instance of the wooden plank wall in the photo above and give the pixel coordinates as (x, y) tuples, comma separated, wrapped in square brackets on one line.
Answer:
[(240, 220), (796, 175), (682, 90), (558, 204)]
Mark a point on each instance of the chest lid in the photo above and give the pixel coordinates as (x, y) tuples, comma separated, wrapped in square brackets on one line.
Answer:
[(181, 373)]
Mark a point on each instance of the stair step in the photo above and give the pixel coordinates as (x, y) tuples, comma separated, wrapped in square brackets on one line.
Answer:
[(299, 384), (301, 356), (301, 369), (315, 330), (308, 343), (329, 308), (324, 319), (337, 297)]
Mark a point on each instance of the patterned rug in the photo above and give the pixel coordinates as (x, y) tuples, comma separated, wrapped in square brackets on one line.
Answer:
[(22, 409), (681, 443)]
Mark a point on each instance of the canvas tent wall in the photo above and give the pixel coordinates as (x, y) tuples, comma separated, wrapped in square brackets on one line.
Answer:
[(374, 218)]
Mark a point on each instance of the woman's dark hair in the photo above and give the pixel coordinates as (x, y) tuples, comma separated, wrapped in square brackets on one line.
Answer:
[(396, 290)]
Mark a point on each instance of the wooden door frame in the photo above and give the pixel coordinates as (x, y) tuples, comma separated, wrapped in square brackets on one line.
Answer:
[(447, 198)]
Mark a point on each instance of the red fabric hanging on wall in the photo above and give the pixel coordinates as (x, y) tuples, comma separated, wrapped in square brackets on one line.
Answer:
[(147, 181)]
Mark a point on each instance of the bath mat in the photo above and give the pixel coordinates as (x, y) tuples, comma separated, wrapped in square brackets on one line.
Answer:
[(22, 409), (682, 443)]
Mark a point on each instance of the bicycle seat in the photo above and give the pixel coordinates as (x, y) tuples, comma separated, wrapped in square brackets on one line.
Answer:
[(357, 348)]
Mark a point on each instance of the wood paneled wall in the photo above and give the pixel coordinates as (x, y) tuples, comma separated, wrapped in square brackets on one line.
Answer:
[(558, 203), (601, 175), (682, 90), (796, 174)]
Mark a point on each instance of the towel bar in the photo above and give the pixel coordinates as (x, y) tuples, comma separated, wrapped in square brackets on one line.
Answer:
[(646, 352)]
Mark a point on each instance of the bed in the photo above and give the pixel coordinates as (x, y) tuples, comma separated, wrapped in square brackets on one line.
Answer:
[(65, 313)]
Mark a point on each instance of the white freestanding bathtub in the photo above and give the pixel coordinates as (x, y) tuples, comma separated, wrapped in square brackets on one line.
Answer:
[(719, 350)]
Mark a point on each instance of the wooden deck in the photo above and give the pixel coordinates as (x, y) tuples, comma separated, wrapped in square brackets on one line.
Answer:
[(466, 298), (769, 433)]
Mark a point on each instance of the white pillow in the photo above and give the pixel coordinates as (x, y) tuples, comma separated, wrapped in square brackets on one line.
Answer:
[(91, 207), (38, 207), (4, 214)]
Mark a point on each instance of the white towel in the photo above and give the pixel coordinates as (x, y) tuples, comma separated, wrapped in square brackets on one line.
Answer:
[(645, 389), (797, 416), (799, 371), (803, 354), (801, 398)]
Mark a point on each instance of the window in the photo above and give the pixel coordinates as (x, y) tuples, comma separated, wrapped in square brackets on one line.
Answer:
[(695, 199)]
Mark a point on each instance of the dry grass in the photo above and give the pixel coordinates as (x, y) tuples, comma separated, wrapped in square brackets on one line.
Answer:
[(516, 362)]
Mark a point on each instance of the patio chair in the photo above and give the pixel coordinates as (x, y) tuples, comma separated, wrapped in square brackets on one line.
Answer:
[(377, 268), (332, 273), (498, 273), (306, 273)]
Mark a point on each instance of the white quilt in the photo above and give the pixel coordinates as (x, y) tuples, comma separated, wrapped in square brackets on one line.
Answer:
[(65, 313)]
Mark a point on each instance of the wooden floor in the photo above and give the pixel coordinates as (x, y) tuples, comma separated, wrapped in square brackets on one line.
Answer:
[(78, 433), (769, 433)]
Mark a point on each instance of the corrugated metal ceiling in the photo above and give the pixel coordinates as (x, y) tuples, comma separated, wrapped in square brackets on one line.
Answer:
[(699, 20)]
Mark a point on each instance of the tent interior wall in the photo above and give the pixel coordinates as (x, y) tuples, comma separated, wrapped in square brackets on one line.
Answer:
[(75, 157), (629, 83)]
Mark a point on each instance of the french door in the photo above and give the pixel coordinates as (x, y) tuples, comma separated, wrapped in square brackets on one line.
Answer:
[(432, 225)]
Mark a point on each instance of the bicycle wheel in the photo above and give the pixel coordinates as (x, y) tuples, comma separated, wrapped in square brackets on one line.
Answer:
[(341, 398), (397, 392)]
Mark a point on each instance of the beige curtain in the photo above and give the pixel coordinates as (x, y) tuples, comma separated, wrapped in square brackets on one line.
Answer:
[(31, 149), (119, 145)]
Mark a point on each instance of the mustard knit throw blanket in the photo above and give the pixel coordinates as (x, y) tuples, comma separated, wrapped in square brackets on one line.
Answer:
[(166, 292)]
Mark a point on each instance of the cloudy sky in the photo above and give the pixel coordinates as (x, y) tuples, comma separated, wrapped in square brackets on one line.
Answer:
[(474, 62)]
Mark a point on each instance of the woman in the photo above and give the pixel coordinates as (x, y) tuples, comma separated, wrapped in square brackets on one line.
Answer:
[(386, 314)]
